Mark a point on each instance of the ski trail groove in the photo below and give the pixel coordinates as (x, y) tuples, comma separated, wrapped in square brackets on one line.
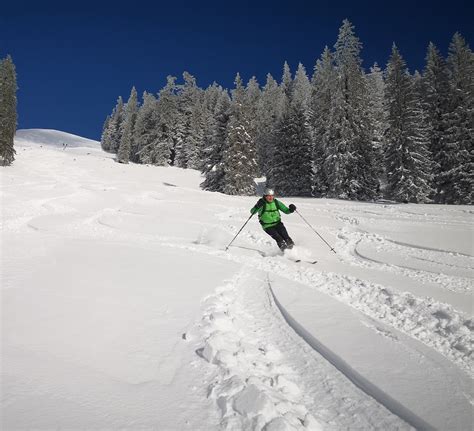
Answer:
[(360, 381), (267, 376)]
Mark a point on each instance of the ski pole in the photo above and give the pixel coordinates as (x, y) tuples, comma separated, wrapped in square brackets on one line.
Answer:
[(251, 215), (314, 230)]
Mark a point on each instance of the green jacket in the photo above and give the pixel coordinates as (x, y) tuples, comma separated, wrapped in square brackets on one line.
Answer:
[(269, 214)]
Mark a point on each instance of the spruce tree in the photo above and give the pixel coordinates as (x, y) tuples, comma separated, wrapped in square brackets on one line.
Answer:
[(170, 140), (349, 155), (214, 152), (127, 150), (378, 114), (240, 164), (195, 138), (436, 97), (323, 87), (458, 139), (8, 112), (287, 81), (269, 112), (407, 156), (114, 132), (291, 172), (277, 155), (151, 148), (252, 98), (105, 142), (188, 97)]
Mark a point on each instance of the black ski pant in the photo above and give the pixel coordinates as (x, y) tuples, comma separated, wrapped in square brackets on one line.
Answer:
[(280, 235)]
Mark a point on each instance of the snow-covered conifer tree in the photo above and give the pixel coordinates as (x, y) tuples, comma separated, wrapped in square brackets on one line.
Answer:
[(435, 94), (291, 172), (378, 114), (127, 150), (147, 133), (301, 93), (458, 140), (188, 97), (269, 112), (323, 86), (195, 137), (105, 142), (406, 152), (170, 140), (287, 81), (252, 98), (240, 164), (113, 135), (214, 168), (349, 156), (8, 112)]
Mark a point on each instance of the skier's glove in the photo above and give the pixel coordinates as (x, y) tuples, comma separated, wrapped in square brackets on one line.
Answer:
[(292, 208), (260, 203)]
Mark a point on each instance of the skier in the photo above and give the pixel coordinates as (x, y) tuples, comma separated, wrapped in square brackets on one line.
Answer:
[(268, 209)]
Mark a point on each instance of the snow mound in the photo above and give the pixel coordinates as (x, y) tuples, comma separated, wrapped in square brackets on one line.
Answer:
[(54, 138)]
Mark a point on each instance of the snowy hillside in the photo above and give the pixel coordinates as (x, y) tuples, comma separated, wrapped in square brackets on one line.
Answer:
[(53, 138), (121, 309)]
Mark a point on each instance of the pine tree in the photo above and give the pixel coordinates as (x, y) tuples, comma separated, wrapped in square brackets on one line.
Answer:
[(407, 157), (105, 142), (8, 112), (349, 156), (188, 97), (435, 94), (151, 148), (127, 150), (458, 141), (170, 140), (291, 172), (378, 114), (113, 134), (251, 102), (287, 81), (209, 103), (277, 157), (301, 93), (269, 112), (240, 164), (323, 87), (214, 168), (195, 138)]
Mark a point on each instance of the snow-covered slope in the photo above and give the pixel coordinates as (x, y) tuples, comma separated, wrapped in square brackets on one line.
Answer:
[(53, 138), (121, 309)]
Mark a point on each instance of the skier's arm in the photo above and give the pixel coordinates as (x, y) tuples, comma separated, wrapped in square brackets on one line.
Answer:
[(282, 207), (257, 206)]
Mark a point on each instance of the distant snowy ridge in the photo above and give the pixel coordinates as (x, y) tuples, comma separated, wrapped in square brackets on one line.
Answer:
[(54, 138)]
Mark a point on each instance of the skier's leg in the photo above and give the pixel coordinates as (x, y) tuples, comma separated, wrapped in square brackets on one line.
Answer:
[(273, 232), (281, 229)]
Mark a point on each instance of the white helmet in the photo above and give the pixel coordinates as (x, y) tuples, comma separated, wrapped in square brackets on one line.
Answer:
[(269, 192)]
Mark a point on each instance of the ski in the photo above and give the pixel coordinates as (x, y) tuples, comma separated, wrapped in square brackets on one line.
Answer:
[(312, 262)]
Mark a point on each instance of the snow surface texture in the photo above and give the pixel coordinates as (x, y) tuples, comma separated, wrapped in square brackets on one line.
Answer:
[(121, 309)]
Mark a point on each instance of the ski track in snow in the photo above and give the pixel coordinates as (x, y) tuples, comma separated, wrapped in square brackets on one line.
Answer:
[(349, 243), (258, 355)]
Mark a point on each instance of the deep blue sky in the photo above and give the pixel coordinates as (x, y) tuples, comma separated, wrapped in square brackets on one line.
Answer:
[(74, 61)]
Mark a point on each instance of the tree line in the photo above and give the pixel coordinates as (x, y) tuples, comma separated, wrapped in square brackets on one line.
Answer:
[(341, 133)]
